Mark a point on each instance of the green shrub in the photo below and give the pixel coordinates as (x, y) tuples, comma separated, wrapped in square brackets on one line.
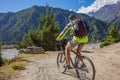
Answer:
[(17, 66), (5, 61), (112, 35), (105, 43), (1, 78)]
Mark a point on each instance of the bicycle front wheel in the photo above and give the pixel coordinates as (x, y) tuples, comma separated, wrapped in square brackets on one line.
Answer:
[(61, 61), (88, 71)]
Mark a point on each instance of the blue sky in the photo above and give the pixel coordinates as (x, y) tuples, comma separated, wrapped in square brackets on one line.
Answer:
[(79, 6), (16, 5)]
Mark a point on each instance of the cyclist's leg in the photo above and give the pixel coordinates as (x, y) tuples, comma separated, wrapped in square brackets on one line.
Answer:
[(79, 48), (70, 45)]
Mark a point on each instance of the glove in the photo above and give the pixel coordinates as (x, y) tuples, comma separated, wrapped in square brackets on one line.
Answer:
[(58, 38)]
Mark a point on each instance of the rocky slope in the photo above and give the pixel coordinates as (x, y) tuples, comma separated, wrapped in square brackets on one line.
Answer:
[(108, 13)]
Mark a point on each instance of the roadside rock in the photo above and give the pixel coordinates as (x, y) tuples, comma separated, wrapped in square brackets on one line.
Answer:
[(33, 50)]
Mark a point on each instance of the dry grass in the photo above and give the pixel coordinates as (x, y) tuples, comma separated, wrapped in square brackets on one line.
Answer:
[(13, 67)]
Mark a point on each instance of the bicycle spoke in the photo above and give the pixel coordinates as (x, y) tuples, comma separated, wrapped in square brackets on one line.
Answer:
[(88, 71)]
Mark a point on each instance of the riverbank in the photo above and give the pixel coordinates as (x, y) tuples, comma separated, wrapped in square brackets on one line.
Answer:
[(43, 66), (12, 52), (19, 61), (12, 68), (106, 63)]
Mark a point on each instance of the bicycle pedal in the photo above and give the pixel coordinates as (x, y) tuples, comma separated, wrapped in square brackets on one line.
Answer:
[(67, 67)]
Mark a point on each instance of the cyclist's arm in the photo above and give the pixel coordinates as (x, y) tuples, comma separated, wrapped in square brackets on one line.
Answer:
[(64, 32)]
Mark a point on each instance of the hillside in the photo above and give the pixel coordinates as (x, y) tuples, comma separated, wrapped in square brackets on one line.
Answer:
[(14, 25), (108, 13)]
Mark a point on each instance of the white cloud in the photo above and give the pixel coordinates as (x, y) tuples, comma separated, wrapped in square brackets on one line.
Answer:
[(72, 10), (95, 6)]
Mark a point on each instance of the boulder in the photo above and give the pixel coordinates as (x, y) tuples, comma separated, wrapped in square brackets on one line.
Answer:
[(34, 50)]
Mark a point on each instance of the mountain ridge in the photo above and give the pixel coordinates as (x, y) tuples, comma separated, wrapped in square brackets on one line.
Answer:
[(108, 13), (14, 25)]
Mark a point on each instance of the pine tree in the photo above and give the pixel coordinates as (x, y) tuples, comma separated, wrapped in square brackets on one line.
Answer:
[(50, 30), (113, 35), (28, 38), (39, 37), (45, 35)]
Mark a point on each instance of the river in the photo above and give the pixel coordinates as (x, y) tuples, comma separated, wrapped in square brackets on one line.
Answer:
[(11, 53), (91, 46)]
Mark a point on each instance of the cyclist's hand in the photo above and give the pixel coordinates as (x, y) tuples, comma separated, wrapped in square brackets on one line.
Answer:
[(58, 38)]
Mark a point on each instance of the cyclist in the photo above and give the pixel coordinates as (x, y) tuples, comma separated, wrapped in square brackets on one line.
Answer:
[(75, 43)]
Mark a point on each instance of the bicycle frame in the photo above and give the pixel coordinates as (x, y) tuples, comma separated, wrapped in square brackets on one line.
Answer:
[(63, 44), (62, 57)]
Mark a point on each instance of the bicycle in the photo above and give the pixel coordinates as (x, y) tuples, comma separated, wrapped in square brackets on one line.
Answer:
[(81, 74)]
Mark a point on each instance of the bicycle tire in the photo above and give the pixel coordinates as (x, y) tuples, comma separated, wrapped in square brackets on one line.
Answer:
[(61, 61), (80, 72)]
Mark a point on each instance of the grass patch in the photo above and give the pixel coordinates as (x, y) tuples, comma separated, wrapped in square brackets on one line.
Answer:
[(12, 68), (18, 66)]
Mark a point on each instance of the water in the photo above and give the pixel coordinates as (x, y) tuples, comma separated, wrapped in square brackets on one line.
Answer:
[(9, 53), (91, 46)]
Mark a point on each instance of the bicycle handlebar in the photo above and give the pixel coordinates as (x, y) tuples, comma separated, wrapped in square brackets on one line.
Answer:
[(63, 43)]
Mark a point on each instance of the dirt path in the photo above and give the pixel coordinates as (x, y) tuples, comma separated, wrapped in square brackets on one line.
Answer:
[(106, 62)]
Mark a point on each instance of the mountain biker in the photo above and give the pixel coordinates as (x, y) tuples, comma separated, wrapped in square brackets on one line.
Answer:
[(75, 43)]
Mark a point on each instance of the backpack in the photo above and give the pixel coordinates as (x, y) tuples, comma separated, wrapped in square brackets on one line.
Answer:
[(80, 28)]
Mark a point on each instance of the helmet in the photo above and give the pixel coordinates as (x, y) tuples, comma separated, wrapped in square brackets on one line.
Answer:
[(71, 16)]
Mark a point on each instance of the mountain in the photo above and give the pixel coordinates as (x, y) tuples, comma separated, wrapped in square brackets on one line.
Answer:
[(108, 13), (14, 25)]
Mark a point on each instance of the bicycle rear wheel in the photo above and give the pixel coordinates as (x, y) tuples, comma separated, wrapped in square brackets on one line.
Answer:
[(61, 61), (88, 73)]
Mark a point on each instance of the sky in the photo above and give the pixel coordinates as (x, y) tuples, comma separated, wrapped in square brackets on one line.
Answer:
[(79, 6)]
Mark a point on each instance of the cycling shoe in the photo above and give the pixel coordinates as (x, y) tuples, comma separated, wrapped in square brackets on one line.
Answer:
[(67, 66)]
